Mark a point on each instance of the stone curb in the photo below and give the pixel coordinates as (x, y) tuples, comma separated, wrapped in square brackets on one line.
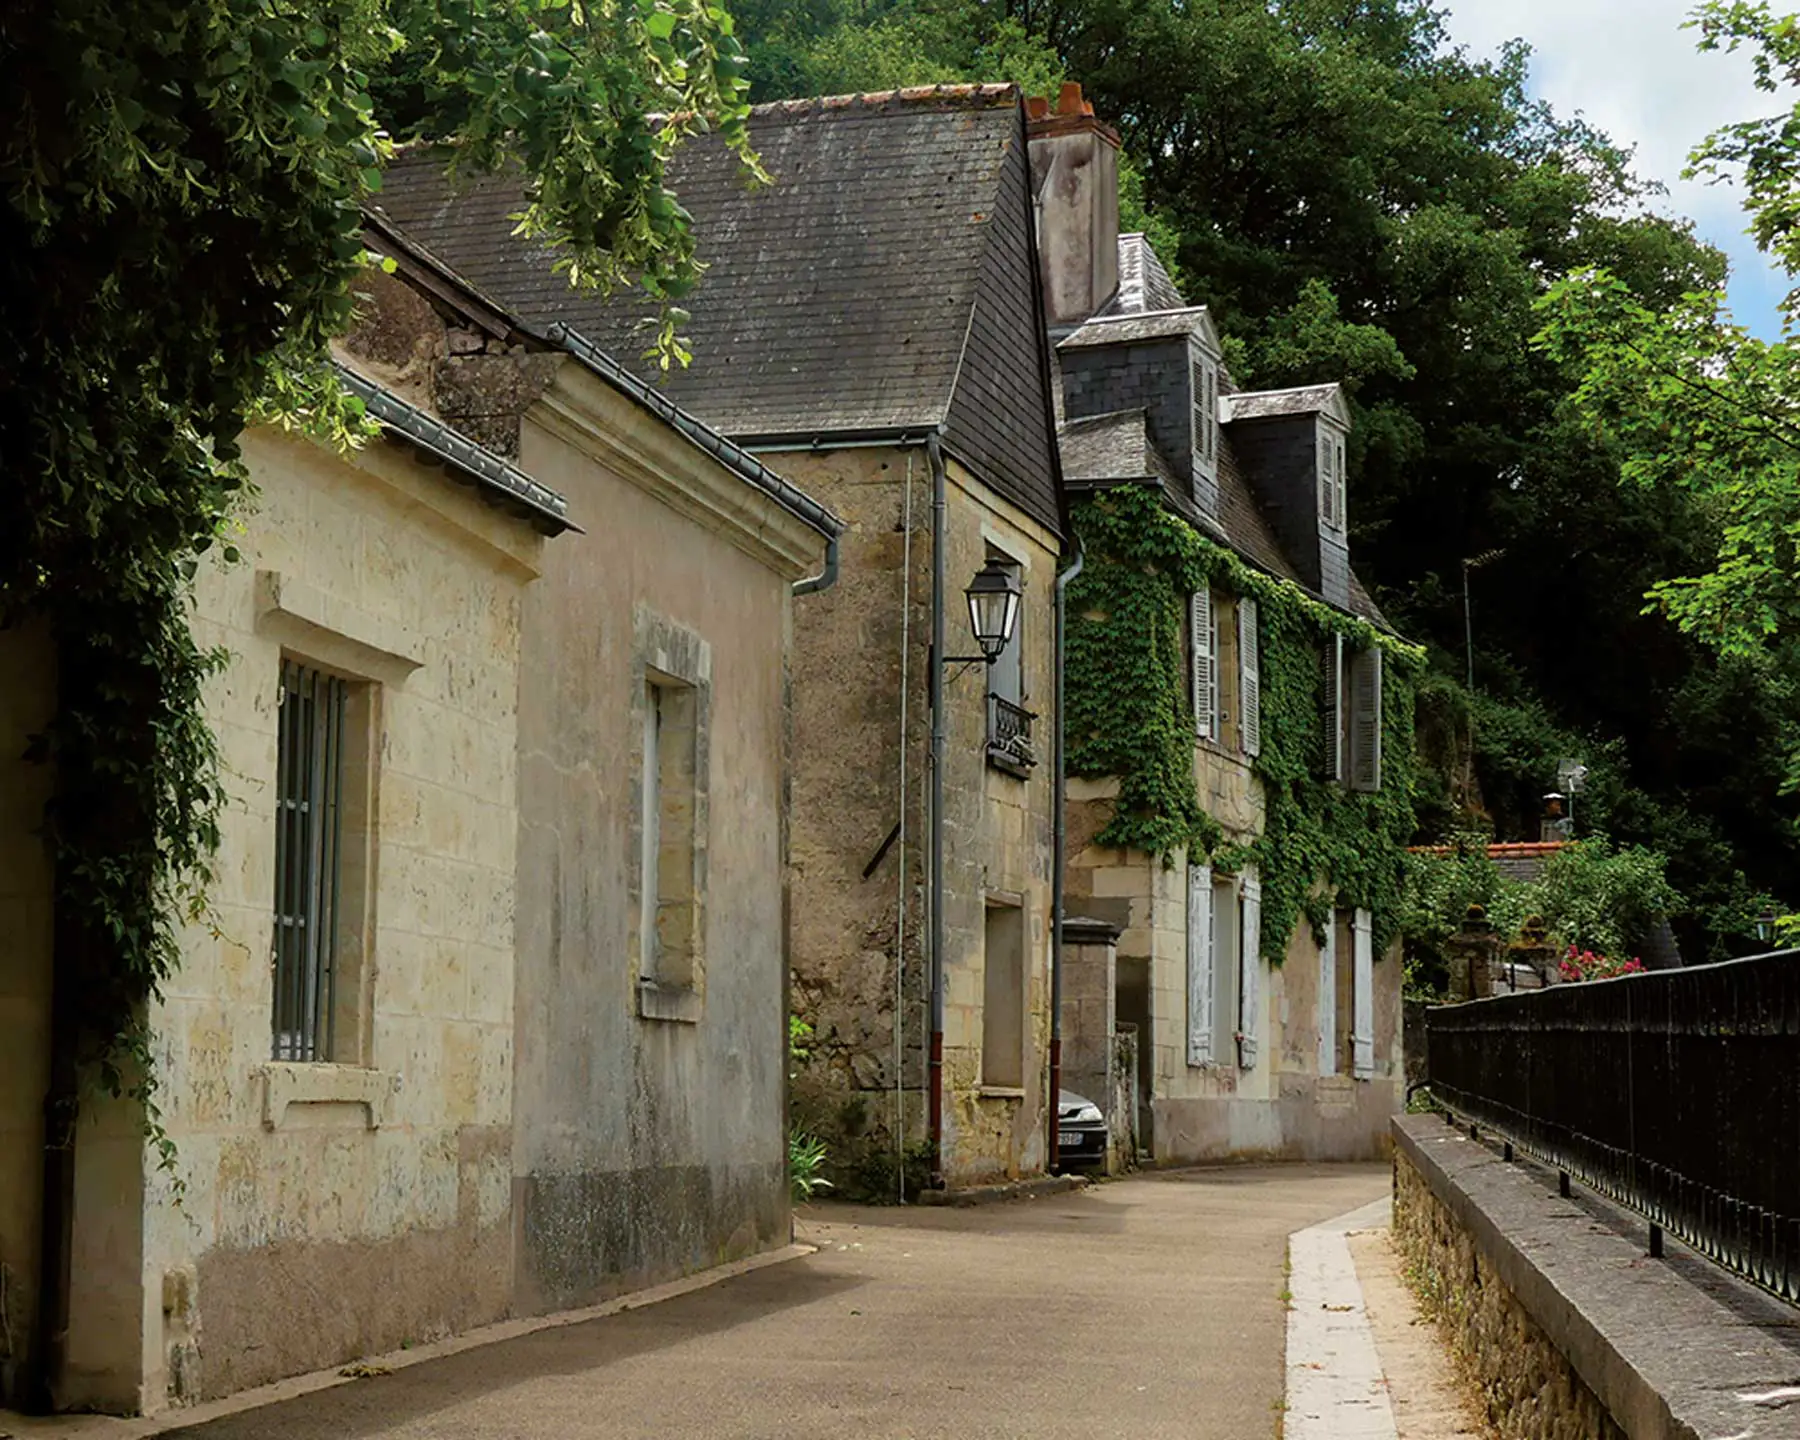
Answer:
[(1033, 1189), (1336, 1387), (1674, 1349), (105, 1427)]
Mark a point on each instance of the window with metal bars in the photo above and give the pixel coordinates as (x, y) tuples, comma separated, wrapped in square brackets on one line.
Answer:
[(308, 859)]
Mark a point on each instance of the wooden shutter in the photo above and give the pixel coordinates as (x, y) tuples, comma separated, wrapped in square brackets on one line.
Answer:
[(1340, 511), (1327, 486), (1249, 969), (1332, 662), (1212, 413), (1199, 966), (1365, 720), (1249, 679), (1327, 1007), (1362, 997), (1205, 648)]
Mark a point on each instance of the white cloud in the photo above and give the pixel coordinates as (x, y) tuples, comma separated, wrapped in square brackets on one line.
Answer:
[(1633, 72)]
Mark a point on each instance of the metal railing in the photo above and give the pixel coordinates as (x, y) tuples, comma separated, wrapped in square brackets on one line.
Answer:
[(1009, 733), (1676, 1093)]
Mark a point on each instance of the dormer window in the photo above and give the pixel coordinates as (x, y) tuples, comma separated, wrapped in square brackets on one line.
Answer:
[(1204, 395), (1331, 480)]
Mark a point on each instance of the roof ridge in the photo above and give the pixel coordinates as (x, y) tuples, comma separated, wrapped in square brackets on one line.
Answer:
[(889, 101)]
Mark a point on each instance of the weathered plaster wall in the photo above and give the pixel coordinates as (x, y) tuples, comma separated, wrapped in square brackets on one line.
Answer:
[(644, 1148), (333, 1228), (27, 700), (850, 655)]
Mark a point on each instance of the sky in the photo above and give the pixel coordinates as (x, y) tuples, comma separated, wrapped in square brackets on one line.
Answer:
[(1633, 72)]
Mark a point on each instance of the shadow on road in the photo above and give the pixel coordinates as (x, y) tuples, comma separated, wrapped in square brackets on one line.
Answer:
[(383, 1402)]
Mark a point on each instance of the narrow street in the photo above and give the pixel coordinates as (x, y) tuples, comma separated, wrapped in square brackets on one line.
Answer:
[(1146, 1307)]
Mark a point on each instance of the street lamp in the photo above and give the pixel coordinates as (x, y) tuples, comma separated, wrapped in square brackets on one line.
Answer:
[(993, 608), (1765, 926)]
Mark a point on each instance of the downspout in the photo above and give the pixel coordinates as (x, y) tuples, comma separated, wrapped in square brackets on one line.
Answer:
[(827, 577), (1059, 840), (934, 1084)]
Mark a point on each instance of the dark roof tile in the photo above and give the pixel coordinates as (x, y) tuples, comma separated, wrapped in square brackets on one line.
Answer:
[(837, 299)]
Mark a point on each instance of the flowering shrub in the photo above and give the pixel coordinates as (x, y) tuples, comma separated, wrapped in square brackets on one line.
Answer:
[(1586, 965)]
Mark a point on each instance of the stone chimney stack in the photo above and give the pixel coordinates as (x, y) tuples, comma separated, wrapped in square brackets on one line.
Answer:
[(1075, 178)]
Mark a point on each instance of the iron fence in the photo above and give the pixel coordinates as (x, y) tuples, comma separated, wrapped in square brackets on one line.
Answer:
[(1676, 1093)]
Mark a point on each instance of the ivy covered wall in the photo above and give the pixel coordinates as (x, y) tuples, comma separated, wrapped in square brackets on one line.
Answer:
[(1129, 715)]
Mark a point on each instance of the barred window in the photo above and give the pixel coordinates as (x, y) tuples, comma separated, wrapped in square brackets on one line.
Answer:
[(308, 859)]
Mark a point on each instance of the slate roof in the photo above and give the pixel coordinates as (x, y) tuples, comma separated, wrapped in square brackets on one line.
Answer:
[(498, 482), (1120, 328), (885, 282), (1102, 448), (1112, 447), (1268, 404), (1143, 283), (424, 267)]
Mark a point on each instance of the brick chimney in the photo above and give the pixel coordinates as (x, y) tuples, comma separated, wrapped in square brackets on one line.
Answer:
[(1075, 178)]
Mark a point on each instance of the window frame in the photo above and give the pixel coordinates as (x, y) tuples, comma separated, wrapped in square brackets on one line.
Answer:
[(319, 921), (671, 705)]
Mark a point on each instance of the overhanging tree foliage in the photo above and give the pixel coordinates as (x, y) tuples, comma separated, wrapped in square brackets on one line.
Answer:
[(1357, 199), (180, 192)]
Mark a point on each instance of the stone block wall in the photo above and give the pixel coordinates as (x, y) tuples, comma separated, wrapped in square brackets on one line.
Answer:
[(858, 914)]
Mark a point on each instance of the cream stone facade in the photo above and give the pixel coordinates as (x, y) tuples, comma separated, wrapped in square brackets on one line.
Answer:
[(1303, 1095), (549, 1062), (313, 1211)]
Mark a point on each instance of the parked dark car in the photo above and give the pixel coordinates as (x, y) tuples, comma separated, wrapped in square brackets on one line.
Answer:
[(1080, 1132)]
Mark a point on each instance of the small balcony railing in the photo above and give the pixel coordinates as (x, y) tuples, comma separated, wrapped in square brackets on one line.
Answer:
[(1009, 736)]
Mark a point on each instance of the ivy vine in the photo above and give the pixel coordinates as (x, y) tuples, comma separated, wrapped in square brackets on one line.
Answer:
[(1130, 717)]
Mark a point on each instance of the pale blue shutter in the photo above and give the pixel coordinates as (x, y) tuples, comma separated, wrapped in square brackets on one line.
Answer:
[(1249, 969), (1362, 1021), (1249, 679), (1328, 1000), (1199, 966), (1205, 658)]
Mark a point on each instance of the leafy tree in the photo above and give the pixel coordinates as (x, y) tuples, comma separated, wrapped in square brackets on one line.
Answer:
[(180, 184), (1356, 198)]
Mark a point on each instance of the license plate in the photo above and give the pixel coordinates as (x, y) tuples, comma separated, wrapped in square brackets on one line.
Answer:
[(1069, 1139)]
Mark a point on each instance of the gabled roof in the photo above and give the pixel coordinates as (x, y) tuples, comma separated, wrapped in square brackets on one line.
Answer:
[(1123, 328), (1101, 449), (1112, 447), (1143, 283), (1272, 404), (885, 282), (472, 305)]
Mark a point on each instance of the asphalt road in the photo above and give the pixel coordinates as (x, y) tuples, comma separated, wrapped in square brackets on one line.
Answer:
[(1142, 1308)]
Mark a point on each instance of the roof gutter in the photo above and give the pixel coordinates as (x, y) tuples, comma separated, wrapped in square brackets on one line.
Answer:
[(729, 453), (547, 510)]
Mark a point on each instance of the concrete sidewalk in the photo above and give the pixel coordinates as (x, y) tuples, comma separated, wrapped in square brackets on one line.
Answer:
[(1148, 1307)]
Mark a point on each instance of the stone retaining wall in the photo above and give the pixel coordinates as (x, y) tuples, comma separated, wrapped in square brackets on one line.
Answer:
[(1529, 1388), (1572, 1331)]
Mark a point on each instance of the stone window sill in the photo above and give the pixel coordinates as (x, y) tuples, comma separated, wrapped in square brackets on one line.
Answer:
[(290, 1082), (677, 1003), (1001, 1092)]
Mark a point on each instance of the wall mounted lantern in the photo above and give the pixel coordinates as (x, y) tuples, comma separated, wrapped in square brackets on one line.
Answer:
[(994, 607)]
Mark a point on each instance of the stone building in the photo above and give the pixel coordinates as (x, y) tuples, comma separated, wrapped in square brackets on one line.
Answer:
[(1251, 1043), (870, 322), (488, 1014)]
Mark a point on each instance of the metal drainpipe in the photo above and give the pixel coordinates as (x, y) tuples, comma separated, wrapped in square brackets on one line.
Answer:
[(826, 577), (939, 745), (1058, 842)]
